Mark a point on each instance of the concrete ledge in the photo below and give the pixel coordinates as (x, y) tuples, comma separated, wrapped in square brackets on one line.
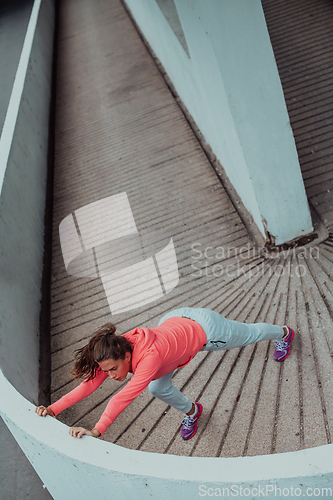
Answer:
[(90, 468)]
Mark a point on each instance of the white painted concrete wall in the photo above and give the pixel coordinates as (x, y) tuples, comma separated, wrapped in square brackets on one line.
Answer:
[(23, 171), (231, 87), (89, 468)]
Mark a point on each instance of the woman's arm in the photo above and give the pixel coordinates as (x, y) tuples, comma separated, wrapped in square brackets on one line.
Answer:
[(72, 397), (77, 432), (144, 374), (80, 392)]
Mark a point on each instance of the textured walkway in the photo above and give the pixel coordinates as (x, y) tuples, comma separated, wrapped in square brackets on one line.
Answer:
[(301, 35), (118, 129)]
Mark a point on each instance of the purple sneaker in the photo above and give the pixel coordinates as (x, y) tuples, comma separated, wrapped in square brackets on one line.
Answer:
[(189, 427), (283, 347)]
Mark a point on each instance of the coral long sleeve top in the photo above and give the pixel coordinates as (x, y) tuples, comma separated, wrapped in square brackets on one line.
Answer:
[(156, 351)]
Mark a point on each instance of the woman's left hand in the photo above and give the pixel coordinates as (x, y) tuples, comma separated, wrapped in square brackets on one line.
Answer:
[(78, 432)]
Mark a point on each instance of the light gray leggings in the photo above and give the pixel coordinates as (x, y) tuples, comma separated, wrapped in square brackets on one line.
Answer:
[(221, 334)]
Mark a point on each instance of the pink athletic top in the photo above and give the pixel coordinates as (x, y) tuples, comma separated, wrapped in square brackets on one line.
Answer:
[(156, 351)]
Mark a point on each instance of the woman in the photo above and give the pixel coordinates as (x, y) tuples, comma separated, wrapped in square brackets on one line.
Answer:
[(152, 355)]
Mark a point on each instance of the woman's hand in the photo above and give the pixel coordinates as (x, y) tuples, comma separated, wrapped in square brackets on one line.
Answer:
[(78, 432), (42, 411)]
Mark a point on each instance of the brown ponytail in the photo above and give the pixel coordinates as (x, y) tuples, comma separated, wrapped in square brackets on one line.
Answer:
[(105, 344)]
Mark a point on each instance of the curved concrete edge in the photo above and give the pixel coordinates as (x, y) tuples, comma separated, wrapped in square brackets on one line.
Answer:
[(88, 467)]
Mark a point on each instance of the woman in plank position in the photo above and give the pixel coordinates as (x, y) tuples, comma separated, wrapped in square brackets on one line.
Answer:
[(152, 355)]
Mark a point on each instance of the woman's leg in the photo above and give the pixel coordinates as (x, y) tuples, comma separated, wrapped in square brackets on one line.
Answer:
[(228, 334), (250, 333), (163, 389)]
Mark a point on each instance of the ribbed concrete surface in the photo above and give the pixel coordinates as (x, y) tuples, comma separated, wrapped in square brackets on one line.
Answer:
[(118, 129), (301, 35)]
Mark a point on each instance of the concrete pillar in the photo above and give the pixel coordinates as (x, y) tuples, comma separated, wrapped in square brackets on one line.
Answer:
[(222, 66)]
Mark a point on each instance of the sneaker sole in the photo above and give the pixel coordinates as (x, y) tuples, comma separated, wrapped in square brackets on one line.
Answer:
[(292, 338), (200, 408)]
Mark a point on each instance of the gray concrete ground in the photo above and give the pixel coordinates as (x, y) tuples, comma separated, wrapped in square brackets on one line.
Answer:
[(18, 479), (301, 35)]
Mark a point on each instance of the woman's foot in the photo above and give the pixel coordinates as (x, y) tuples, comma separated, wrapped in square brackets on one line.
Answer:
[(189, 423), (283, 347)]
